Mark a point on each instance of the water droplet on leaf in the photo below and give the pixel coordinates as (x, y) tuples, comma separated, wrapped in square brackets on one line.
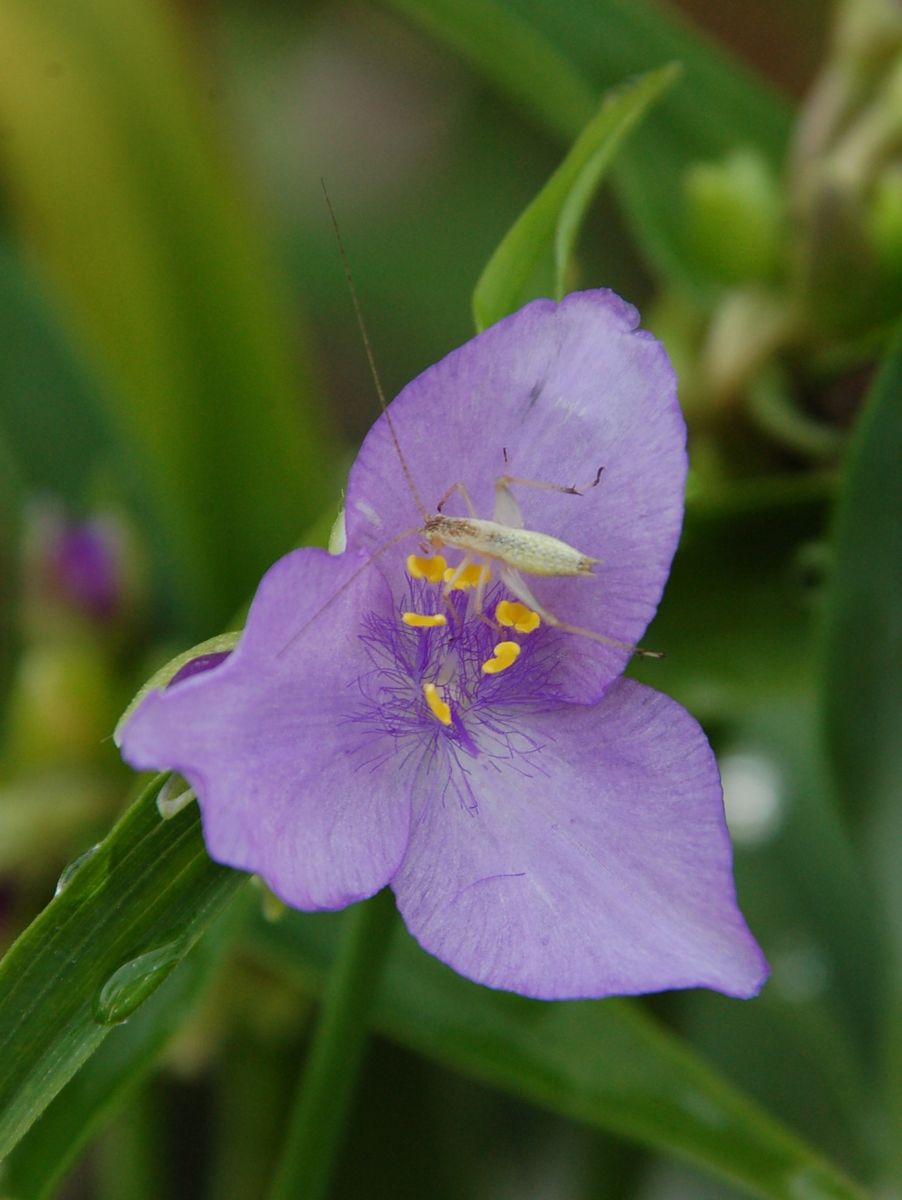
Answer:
[(131, 984), (73, 868)]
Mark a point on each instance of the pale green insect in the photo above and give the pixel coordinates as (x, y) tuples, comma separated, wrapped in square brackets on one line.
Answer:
[(504, 540), (514, 549)]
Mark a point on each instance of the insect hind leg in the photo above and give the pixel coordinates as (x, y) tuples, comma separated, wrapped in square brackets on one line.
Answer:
[(519, 587), (577, 489), (507, 510)]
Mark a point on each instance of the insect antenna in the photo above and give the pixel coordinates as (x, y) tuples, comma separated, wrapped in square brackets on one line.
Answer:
[(371, 359)]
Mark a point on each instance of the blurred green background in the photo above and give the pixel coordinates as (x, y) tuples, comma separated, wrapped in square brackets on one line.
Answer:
[(182, 388)]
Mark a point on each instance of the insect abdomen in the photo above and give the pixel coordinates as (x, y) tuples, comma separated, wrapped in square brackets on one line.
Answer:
[(523, 549)]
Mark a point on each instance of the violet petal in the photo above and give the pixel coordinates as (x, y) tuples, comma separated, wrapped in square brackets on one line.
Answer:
[(564, 388), (262, 741), (597, 865)]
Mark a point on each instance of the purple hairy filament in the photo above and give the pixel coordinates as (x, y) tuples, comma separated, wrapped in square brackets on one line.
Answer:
[(452, 677)]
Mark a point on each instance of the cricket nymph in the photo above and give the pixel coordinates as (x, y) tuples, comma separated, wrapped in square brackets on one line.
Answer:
[(520, 549)]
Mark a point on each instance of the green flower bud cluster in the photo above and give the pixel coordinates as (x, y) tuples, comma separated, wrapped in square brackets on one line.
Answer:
[(798, 276), (734, 217)]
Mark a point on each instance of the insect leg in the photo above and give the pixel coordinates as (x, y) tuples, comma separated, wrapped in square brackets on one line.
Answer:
[(505, 481), (479, 600), (460, 488), (449, 587), (459, 570), (507, 510), (518, 585)]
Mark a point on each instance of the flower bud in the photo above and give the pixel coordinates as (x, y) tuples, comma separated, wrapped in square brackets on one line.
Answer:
[(734, 217), (843, 177), (746, 330), (867, 33), (884, 219)]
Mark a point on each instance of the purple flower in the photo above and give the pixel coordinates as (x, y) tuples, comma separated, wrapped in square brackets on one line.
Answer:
[(88, 569), (77, 568), (546, 826)]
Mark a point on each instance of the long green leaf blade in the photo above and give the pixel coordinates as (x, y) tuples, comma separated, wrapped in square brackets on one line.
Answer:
[(566, 53), (40, 1160), (862, 687), (513, 54), (126, 918), (604, 1063), (163, 281), (535, 253)]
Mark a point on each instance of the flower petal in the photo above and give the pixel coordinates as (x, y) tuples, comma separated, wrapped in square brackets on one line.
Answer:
[(598, 865), (562, 388), (261, 738)]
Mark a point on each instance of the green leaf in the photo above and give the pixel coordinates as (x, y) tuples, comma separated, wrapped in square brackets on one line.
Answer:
[(163, 281), (126, 915), (512, 53), (38, 1162), (44, 391), (601, 1062), (863, 681), (808, 1048), (9, 569), (862, 688), (563, 54), (534, 256)]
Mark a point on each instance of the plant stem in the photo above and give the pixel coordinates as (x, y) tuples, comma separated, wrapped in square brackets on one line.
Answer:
[(326, 1089)]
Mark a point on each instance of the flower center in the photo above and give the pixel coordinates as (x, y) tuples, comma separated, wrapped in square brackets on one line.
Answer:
[(466, 576), (456, 663)]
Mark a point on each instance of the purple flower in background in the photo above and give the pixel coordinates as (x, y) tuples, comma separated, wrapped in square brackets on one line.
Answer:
[(82, 569), (546, 825), (88, 569)]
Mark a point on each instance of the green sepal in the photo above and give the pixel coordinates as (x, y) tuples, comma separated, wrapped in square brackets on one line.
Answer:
[(221, 643)]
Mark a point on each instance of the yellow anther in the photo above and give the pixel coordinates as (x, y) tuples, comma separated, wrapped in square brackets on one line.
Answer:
[(471, 576), (437, 705), (513, 613), (506, 654), (424, 620), (431, 567)]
